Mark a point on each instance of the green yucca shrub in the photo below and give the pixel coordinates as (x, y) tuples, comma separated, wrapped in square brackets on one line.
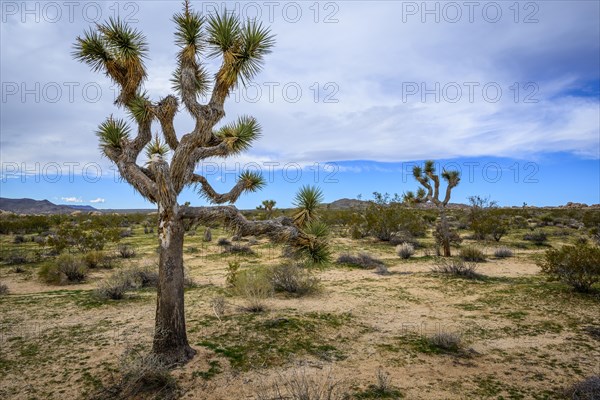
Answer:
[(577, 266), (66, 269)]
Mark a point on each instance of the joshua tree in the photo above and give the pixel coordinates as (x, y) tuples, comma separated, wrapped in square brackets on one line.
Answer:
[(268, 205), (427, 193), (119, 51)]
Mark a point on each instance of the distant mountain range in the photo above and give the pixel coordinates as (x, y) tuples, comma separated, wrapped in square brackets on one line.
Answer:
[(30, 206)]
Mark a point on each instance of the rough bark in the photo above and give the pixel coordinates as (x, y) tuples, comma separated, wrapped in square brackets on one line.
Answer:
[(170, 337)]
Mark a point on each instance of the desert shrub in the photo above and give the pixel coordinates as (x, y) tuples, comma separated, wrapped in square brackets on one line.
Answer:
[(577, 266), (126, 251), (188, 281), (381, 269), (18, 269), (537, 237), (255, 287), (83, 237), (587, 389), (503, 252), (113, 288), (294, 279), (122, 281), (299, 385), (144, 277), (14, 258), (486, 219), (233, 268), (66, 269), (223, 242), (405, 250), (219, 306), (356, 233), (447, 341), (39, 239), (97, 259), (3, 289), (404, 237), (239, 249), (457, 267), (192, 249), (19, 239), (142, 376), (207, 235), (471, 253), (384, 216), (361, 260), (125, 233), (383, 389)]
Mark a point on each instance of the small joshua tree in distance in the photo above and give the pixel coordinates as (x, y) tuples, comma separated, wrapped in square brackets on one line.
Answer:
[(431, 193), (268, 206)]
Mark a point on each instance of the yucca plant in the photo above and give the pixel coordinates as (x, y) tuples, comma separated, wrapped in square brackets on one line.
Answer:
[(119, 51), (307, 202)]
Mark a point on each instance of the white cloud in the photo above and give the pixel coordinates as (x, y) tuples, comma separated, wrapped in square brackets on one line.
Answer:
[(98, 200), (72, 199), (368, 55)]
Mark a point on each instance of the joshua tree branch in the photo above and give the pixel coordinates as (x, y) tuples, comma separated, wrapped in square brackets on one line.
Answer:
[(138, 177), (165, 111), (133, 149), (281, 230), (215, 197)]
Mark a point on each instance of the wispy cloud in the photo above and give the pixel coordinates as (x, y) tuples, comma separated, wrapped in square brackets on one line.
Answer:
[(72, 199), (355, 76), (98, 200)]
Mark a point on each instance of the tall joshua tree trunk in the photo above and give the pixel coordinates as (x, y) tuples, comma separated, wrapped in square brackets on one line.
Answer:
[(425, 176), (119, 51), (170, 339)]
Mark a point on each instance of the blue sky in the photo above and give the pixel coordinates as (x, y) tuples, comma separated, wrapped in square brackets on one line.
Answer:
[(508, 92)]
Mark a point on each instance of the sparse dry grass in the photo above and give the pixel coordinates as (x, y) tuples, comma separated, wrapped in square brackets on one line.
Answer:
[(60, 342)]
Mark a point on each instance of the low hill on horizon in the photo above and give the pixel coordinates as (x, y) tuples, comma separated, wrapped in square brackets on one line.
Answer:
[(31, 206)]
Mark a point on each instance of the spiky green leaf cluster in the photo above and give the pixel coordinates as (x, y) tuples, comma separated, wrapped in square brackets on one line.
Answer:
[(118, 50), (123, 41), (140, 108), (201, 80), (190, 38), (112, 133), (452, 177), (429, 167), (307, 201), (91, 50), (156, 147), (253, 181), (257, 43), (243, 47), (316, 247), (189, 30), (239, 135), (223, 33), (417, 172)]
